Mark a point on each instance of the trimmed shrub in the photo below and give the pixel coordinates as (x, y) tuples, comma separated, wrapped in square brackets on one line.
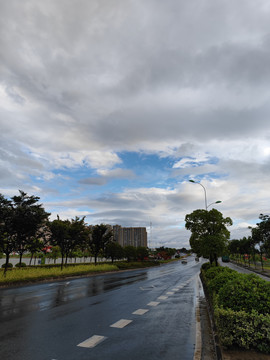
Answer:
[(242, 329), (221, 279), (20, 265), (241, 308), (206, 266), (213, 271), (9, 265), (245, 292)]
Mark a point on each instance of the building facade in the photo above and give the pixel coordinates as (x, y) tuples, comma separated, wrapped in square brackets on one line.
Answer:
[(130, 236)]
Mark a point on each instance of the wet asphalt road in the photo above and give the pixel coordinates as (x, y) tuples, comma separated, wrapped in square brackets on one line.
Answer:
[(49, 321)]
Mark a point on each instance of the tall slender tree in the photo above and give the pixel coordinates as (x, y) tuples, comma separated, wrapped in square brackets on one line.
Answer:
[(101, 235)]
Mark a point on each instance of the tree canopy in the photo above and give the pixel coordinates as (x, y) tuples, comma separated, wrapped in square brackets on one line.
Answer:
[(209, 233), (68, 235), (100, 236)]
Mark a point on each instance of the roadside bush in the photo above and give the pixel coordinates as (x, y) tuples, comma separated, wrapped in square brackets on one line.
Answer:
[(213, 271), (241, 308), (206, 266), (215, 284), (20, 265), (245, 292), (9, 265), (242, 329)]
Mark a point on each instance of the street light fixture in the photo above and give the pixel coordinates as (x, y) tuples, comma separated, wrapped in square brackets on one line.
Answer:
[(215, 202), (205, 199)]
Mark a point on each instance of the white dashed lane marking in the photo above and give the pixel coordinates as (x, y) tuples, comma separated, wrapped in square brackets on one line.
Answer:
[(140, 311), (170, 293), (121, 323), (153, 303), (162, 297), (92, 341)]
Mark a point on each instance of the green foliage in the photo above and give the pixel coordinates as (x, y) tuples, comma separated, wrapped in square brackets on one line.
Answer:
[(209, 233), (27, 219), (242, 307), (18, 275), (101, 235), (242, 329), (8, 265), (142, 253), (206, 266), (245, 292), (216, 283), (68, 235), (114, 251), (136, 264), (22, 264), (130, 253)]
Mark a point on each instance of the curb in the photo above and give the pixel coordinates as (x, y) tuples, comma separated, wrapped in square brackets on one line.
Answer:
[(211, 317), (198, 346)]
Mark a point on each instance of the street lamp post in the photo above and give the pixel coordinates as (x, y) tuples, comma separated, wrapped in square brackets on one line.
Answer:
[(205, 198)]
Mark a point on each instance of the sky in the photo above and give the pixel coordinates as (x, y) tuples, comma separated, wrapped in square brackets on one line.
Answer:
[(109, 107)]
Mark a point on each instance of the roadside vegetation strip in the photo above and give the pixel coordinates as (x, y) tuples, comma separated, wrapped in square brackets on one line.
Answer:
[(19, 275), (48, 272), (241, 307)]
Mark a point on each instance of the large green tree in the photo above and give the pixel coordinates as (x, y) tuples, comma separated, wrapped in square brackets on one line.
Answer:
[(114, 251), (7, 238), (101, 235), (209, 233), (28, 220)]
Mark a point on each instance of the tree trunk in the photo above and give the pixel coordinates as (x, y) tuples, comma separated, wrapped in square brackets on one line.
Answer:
[(6, 264), (20, 262), (261, 261), (62, 262), (31, 259)]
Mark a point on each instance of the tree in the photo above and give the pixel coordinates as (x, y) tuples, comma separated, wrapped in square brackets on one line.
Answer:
[(55, 253), (114, 251), (35, 246), (7, 238), (100, 236), (27, 220), (209, 234), (68, 235), (130, 252), (142, 253), (261, 236)]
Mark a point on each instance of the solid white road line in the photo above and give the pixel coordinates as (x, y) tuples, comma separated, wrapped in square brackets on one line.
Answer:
[(92, 341), (121, 323), (153, 303), (140, 312), (162, 297)]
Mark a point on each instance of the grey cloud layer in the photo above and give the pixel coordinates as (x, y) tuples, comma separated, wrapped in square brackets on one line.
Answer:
[(83, 80)]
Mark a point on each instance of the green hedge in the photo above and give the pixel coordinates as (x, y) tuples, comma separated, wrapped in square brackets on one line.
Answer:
[(245, 292), (241, 307), (242, 329)]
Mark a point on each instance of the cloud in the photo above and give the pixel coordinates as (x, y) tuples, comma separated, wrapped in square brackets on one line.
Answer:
[(182, 84)]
